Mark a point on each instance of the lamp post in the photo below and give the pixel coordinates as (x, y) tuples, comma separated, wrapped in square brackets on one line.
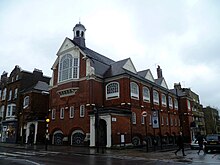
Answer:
[(47, 133), (144, 114)]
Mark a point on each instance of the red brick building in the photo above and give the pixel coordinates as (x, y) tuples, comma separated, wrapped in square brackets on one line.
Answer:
[(20, 106), (95, 100)]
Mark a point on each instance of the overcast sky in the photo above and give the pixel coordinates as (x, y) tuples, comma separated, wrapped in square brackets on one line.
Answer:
[(182, 36)]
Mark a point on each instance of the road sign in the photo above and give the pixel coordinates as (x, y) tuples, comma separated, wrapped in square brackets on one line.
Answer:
[(144, 114)]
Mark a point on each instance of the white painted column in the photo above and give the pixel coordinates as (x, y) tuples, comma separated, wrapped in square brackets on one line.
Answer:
[(35, 136), (92, 131)]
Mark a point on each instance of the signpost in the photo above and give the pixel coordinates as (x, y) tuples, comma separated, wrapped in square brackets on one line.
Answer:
[(144, 114)]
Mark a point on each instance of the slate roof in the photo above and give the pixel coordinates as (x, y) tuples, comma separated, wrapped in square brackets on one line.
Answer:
[(159, 80), (116, 68), (143, 73), (99, 62), (106, 67), (39, 86)]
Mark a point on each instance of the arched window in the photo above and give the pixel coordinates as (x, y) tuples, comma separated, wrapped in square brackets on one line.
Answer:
[(112, 90), (71, 112), (26, 101), (62, 113), (164, 100), (156, 97), (68, 68), (170, 102), (146, 94), (134, 90)]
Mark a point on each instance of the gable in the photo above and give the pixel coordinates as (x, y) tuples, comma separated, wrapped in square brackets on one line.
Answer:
[(149, 76), (129, 66), (67, 44), (164, 84)]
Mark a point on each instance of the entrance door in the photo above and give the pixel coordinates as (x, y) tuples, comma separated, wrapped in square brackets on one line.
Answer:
[(102, 133), (31, 134)]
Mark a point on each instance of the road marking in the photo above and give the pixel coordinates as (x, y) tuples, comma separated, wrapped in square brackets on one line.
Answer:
[(8, 154), (26, 153)]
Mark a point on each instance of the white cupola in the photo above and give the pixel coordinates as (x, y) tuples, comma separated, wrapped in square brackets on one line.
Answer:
[(79, 34)]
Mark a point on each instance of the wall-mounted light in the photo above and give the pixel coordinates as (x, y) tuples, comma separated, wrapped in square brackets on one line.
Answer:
[(122, 103)]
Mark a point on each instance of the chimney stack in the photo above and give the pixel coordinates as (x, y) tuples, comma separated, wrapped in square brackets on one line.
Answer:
[(159, 72)]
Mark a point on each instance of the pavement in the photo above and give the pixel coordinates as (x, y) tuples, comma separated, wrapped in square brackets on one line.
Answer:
[(165, 154)]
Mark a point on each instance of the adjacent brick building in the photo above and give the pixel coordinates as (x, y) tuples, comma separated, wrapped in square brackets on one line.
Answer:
[(14, 103), (190, 112), (98, 101)]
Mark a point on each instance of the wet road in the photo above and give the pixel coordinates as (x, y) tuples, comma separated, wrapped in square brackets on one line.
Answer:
[(10, 156)]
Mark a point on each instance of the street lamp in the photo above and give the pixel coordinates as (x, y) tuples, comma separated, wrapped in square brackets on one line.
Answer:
[(47, 133)]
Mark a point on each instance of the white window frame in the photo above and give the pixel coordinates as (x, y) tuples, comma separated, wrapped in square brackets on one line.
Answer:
[(176, 104), (146, 94), (156, 97), (16, 93), (167, 120), (4, 94), (26, 101), (82, 111), (170, 102), (134, 119), (134, 90), (11, 110), (10, 95), (62, 113), (188, 105), (163, 100), (112, 90), (71, 71), (2, 109), (142, 119), (71, 112), (53, 114)]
